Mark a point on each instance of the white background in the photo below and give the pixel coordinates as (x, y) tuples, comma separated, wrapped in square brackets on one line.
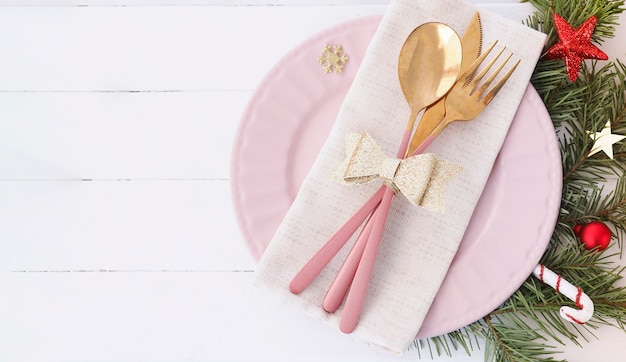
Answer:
[(118, 240)]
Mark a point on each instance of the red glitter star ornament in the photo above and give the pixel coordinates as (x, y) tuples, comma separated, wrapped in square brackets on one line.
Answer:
[(574, 45)]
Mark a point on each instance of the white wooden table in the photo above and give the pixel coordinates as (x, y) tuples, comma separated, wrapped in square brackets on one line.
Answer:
[(118, 240)]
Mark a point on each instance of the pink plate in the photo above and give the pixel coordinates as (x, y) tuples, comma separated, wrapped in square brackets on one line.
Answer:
[(287, 121)]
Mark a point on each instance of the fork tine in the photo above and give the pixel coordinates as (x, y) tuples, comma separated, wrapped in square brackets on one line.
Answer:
[(492, 76), (469, 72), (492, 93), (484, 71)]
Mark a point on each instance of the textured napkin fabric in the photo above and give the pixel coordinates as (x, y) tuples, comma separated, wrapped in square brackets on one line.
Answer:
[(418, 244)]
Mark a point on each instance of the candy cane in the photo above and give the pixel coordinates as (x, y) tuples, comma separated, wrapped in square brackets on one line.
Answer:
[(582, 300)]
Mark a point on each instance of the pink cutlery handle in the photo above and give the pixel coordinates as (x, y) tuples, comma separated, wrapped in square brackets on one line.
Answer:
[(404, 143), (338, 290), (354, 303), (326, 253), (341, 284), (345, 277)]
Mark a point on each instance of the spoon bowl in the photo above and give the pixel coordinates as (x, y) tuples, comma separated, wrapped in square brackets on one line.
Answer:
[(428, 66)]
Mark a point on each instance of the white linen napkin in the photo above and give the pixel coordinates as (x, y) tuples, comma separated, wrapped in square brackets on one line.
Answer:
[(418, 244)]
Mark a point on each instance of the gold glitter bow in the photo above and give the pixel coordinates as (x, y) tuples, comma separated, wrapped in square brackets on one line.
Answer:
[(421, 179)]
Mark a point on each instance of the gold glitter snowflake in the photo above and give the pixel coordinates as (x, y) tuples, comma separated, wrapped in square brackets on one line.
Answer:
[(332, 59)]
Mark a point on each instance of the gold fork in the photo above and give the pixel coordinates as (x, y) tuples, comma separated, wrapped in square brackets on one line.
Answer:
[(468, 97)]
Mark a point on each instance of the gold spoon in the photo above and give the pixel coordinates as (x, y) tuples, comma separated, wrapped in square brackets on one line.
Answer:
[(428, 66)]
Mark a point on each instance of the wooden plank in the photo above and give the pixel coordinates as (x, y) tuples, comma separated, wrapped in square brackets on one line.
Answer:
[(102, 135), (132, 225), (158, 317), (153, 48), (63, 317)]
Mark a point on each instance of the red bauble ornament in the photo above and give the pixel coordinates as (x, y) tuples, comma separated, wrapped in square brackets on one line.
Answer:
[(575, 45), (593, 234)]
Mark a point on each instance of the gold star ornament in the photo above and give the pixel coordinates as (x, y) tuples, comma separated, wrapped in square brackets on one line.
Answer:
[(604, 140), (332, 59)]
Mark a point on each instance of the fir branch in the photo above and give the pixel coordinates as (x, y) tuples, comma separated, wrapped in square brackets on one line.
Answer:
[(466, 338), (514, 340), (600, 98)]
